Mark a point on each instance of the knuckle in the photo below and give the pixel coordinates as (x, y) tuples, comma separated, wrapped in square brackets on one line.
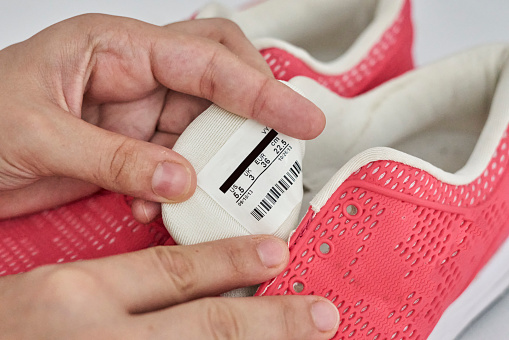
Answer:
[(260, 100), (39, 127), (178, 269), (222, 323), (207, 81), (236, 259), (66, 285), (291, 317), (118, 167), (287, 314), (221, 29), (91, 16), (90, 24), (228, 26)]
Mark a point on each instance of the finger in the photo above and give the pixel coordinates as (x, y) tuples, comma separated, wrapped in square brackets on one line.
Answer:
[(111, 161), (162, 276), (165, 139), (229, 34), (209, 70), (136, 119), (197, 66), (179, 111), (145, 211), (44, 194), (281, 317)]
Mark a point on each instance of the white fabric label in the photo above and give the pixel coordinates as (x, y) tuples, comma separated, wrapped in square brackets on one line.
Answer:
[(256, 177)]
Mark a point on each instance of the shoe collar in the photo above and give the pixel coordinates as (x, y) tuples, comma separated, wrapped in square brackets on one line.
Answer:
[(273, 24), (470, 85)]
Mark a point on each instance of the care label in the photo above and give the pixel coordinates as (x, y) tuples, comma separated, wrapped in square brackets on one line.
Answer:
[(256, 177)]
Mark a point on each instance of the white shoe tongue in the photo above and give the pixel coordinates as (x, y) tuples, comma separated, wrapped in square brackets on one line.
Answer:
[(249, 180)]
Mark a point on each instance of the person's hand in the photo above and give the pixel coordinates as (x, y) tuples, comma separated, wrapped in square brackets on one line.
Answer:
[(163, 293), (80, 101)]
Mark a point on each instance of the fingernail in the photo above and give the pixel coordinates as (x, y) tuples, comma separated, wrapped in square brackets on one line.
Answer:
[(325, 316), (271, 252), (151, 210), (144, 208), (171, 180)]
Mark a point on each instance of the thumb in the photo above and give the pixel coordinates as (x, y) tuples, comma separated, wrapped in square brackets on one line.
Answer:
[(116, 162)]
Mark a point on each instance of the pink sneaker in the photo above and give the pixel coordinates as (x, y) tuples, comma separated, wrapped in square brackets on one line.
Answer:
[(93, 227), (403, 248), (373, 49), (348, 46)]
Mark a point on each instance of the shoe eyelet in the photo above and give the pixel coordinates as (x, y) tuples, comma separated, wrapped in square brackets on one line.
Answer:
[(351, 209), (323, 248), (298, 287)]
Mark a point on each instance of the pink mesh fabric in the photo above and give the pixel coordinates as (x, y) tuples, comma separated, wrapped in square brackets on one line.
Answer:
[(393, 247), (388, 58), (94, 227), (102, 225)]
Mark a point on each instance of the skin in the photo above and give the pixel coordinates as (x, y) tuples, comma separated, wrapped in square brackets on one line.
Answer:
[(80, 100), (163, 293), (98, 102)]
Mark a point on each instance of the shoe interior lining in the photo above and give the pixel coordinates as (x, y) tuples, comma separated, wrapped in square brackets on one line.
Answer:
[(328, 35), (325, 28), (433, 119), (387, 12)]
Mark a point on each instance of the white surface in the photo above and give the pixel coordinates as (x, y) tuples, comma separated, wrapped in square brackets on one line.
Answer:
[(204, 217), (446, 27), (442, 27)]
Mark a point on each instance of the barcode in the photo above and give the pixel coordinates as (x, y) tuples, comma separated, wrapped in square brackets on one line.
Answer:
[(276, 191)]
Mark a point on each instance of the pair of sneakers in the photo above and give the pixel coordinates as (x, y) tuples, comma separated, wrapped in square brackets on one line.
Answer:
[(406, 232), (409, 241)]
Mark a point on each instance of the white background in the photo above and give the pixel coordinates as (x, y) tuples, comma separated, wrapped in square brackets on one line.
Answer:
[(442, 28)]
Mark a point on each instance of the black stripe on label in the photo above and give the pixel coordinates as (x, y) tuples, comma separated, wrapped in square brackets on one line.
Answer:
[(248, 160)]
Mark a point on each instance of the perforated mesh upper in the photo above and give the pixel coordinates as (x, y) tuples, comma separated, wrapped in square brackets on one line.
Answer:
[(94, 227), (411, 249), (388, 58), (102, 224)]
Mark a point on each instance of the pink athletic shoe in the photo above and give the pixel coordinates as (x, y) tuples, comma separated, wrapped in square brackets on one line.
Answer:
[(348, 46), (93, 227), (375, 47), (403, 248)]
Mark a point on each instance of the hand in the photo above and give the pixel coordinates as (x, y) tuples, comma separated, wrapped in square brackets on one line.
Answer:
[(81, 101), (163, 293)]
